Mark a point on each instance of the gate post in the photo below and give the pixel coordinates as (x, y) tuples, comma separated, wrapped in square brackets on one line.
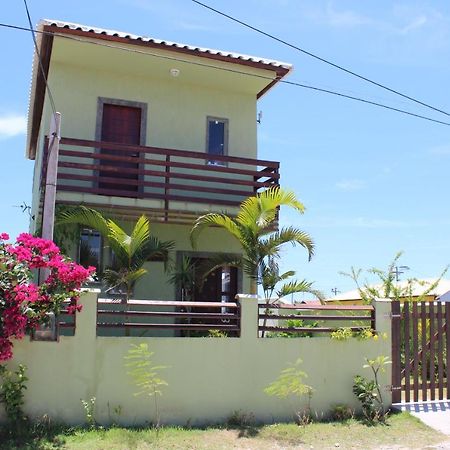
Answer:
[(396, 366)]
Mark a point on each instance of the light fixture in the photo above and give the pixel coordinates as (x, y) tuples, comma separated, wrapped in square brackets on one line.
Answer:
[(174, 72)]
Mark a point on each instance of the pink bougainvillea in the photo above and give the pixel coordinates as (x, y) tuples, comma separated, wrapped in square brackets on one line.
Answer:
[(24, 304)]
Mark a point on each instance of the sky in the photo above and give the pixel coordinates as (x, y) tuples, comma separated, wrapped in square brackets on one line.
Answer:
[(374, 182)]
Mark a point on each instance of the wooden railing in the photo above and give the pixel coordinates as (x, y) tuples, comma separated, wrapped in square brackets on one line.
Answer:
[(312, 318), (176, 318), (66, 323), (169, 175), (421, 351)]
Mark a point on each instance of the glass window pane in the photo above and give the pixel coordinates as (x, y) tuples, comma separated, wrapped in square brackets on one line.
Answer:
[(90, 248), (216, 137)]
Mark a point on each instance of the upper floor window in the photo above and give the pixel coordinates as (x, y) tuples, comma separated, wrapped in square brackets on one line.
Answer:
[(217, 138)]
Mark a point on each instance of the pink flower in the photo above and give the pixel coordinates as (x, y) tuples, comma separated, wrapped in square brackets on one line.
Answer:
[(23, 304)]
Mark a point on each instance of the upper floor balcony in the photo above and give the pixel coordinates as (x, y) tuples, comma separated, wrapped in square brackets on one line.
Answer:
[(168, 185)]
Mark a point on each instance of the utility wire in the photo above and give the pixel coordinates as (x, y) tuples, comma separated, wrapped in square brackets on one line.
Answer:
[(326, 61), (291, 83), (41, 66)]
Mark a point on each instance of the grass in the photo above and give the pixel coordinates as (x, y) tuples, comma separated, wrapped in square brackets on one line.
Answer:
[(401, 431)]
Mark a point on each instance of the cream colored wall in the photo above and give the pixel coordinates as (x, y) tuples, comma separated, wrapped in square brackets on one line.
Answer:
[(209, 378), (177, 109)]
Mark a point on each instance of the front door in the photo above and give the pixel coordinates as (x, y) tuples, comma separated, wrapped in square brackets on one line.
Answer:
[(120, 124)]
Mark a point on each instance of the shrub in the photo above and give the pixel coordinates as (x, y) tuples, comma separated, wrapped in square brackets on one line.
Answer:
[(12, 386), (23, 304)]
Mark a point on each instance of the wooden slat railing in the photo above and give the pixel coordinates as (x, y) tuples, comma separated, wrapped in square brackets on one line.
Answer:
[(424, 369), (175, 316), (66, 323), (356, 318), (170, 175)]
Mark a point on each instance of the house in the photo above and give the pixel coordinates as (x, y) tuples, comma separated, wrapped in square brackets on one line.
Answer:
[(150, 127), (429, 289)]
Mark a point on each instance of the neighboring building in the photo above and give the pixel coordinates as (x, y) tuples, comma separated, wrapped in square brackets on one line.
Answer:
[(180, 123), (419, 291)]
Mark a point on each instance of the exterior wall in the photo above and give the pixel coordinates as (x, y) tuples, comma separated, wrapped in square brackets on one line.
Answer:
[(208, 378), (155, 284)]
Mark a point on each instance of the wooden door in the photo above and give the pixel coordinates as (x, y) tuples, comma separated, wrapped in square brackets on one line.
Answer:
[(120, 124)]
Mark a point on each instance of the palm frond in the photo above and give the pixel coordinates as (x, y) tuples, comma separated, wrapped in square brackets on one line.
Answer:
[(140, 234), (87, 217), (214, 220), (275, 197), (286, 235), (295, 287)]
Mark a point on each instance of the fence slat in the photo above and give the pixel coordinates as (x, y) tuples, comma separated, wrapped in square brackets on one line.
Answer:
[(406, 323), (175, 315), (423, 323), (440, 340), (432, 353), (396, 368), (415, 318), (447, 332), (170, 326), (312, 317)]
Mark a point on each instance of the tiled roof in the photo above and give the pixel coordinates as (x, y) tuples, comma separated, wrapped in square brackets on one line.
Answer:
[(170, 45)]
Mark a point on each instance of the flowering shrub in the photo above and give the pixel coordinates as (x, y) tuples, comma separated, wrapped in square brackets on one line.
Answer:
[(23, 304)]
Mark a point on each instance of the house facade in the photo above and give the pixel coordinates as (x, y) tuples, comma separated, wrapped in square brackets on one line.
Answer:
[(150, 127)]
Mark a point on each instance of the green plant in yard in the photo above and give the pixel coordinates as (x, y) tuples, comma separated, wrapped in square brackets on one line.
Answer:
[(241, 419), (341, 334), (12, 387), (131, 251), (217, 333), (145, 374), (388, 287), (295, 323), (290, 384), (368, 391), (255, 228), (342, 412), (89, 411)]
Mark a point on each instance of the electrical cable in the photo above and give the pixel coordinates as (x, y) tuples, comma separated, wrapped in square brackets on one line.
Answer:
[(52, 102), (291, 83), (319, 58)]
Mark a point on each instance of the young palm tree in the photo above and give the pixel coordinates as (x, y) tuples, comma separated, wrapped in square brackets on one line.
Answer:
[(131, 251), (255, 229)]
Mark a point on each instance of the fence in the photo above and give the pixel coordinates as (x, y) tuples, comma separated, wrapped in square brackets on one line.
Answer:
[(145, 316), (208, 378), (301, 319), (421, 356)]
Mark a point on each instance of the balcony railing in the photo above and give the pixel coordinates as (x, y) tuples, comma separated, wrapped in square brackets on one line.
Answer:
[(172, 178)]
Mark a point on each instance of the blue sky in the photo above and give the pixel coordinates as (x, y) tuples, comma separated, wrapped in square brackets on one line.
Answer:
[(374, 182)]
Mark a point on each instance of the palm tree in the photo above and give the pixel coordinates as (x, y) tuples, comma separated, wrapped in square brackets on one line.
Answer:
[(131, 251), (256, 230)]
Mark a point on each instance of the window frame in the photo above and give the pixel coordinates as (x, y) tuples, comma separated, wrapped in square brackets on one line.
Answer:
[(226, 122), (101, 244)]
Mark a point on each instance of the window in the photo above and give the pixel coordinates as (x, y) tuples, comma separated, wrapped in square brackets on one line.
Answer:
[(90, 249), (217, 139)]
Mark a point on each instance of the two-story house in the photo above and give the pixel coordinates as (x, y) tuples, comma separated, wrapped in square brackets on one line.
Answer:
[(150, 127)]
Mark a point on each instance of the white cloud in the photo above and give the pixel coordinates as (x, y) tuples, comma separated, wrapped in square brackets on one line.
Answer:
[(350, 185), (414, 24), (12, 125), (346, 18), (440, 150)]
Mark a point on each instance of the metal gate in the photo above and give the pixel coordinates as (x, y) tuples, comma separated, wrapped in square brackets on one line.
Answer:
[(420, 351)]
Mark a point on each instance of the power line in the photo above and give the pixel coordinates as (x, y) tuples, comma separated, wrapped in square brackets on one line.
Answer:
[(291, 83), (319, 58), (39, 57)]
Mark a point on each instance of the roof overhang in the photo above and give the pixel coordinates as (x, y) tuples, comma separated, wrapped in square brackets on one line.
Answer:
[(48, 30)]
